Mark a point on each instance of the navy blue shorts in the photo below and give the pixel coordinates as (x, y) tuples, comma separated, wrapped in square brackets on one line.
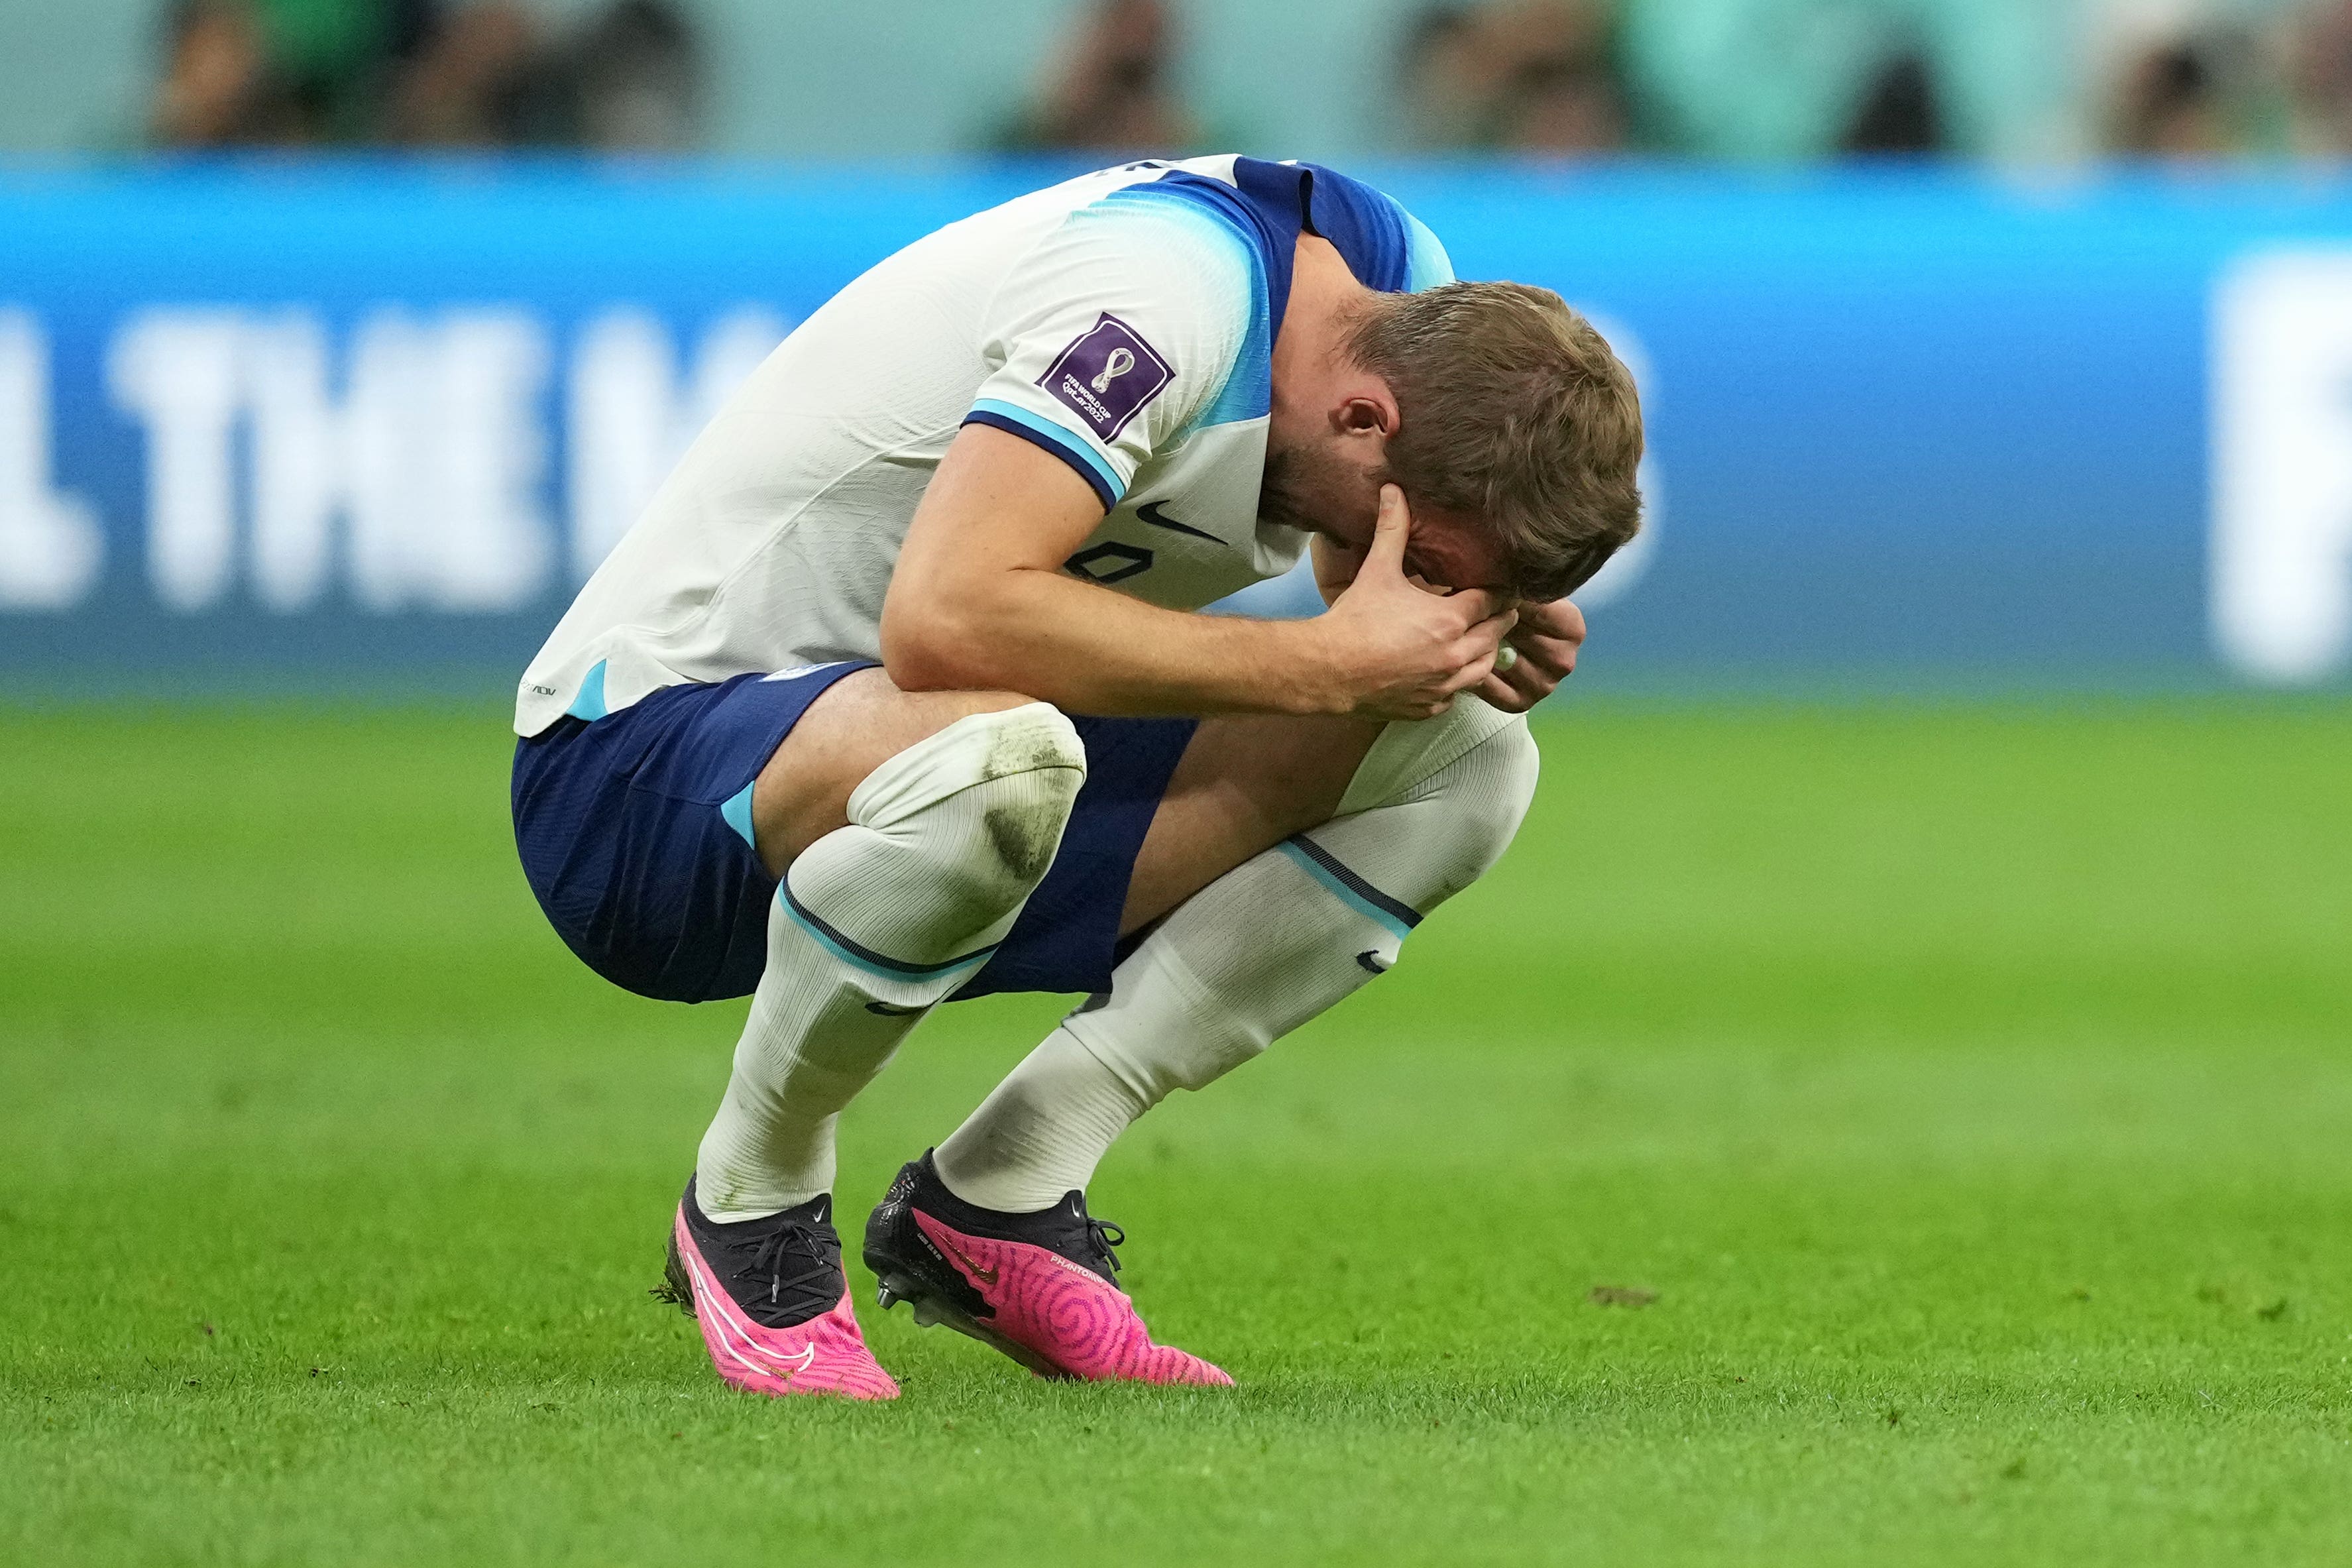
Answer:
[(635, 833)]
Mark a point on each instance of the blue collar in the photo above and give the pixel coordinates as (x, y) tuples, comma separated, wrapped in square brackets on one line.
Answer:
[(1272, 203)]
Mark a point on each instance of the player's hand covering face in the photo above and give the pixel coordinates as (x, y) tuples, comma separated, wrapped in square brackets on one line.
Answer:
[(1546, 640), (1455, 562), (1410, 646)]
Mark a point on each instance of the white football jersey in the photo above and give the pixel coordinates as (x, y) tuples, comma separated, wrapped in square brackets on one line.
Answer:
[(1123, 320)]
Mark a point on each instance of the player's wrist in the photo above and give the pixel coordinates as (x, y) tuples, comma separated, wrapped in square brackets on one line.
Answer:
[(1311, 676)]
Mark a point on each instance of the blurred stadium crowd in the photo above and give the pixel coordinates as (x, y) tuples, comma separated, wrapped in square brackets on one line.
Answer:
[(2013, 80)]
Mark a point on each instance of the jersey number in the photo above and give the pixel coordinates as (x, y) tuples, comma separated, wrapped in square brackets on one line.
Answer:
[(1109, 563)]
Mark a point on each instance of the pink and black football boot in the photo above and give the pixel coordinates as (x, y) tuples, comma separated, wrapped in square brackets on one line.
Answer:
[(1042, 1288), (772, 1302)]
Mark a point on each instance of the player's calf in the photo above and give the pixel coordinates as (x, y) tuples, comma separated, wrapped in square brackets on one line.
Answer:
[(1291, 932), (1277, 939)]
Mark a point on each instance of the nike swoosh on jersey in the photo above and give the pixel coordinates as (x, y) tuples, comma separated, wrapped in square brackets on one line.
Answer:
[(1370, 959), (1149, 512)]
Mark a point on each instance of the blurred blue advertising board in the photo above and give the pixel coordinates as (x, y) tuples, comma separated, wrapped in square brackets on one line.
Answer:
[(369, 424)]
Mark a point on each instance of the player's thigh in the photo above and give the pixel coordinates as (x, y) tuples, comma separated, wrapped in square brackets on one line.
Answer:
[(1244, 785), (861, 722)]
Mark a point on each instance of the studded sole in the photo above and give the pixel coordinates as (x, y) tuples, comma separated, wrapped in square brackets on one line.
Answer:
[(933, 1309)]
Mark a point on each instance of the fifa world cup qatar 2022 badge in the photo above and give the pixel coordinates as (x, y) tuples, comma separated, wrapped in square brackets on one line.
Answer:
[(1108, 376)]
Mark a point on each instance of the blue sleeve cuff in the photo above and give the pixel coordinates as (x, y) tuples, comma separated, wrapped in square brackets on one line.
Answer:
[(1044, 433), (1426, 263)]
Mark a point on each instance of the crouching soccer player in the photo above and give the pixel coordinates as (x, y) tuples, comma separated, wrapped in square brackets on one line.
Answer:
[(894, 695)]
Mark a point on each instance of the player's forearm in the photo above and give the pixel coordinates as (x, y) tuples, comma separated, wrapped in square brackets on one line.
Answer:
[(1087, 650)]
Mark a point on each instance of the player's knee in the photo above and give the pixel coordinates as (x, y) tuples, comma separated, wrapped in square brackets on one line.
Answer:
[(989, 795), (1484, 795), (1032, 767), (1505, 765)]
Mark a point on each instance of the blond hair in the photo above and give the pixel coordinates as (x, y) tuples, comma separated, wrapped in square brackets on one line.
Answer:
[(1512, 410)]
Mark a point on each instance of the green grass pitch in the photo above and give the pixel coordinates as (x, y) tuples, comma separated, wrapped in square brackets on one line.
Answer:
[(1971, 1085)]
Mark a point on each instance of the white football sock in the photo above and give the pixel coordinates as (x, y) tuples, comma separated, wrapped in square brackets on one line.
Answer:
[(1257, 952), (1039, 1133), (873, 925)]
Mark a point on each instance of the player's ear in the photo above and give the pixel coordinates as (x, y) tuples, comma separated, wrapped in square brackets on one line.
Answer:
[(1366, 411)]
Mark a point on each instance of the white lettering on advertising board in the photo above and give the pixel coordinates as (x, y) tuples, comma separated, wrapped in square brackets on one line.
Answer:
[(50, 546), (2280, 576), (399, 465)]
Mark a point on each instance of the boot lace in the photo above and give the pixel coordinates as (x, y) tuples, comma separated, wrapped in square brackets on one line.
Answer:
[(798, 1268), (1103, 1236)]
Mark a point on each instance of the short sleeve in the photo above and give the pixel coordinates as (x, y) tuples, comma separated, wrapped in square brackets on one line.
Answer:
[(1426, 265), (1108, 339)]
